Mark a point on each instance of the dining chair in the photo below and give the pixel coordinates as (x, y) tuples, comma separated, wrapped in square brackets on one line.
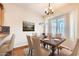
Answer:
[(34, 34), (6, 48), (49, 37), (76, 49), (43, 35), (30, 43), (67, 52), (39, 51), (58, 36)]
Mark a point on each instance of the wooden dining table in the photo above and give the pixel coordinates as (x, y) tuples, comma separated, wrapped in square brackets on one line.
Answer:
[(53, 43)]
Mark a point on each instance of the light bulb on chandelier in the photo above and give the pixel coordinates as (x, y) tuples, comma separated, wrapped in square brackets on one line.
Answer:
[(49, 10)]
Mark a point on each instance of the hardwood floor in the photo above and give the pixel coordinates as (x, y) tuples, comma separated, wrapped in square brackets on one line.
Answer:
[(19, 51), (22, 51)]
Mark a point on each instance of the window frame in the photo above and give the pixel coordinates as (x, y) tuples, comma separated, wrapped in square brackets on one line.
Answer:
[(57, 23)]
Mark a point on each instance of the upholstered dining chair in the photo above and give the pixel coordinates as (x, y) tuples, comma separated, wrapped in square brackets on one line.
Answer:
[(49, 37), (30, 43), (34, 34), (39, 51), (67, 52), (58, 36), (6, 48)]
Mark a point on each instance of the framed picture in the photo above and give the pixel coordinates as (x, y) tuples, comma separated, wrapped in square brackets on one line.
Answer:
[(28, 26)]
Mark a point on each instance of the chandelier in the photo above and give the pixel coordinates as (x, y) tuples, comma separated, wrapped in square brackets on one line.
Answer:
[(49, 10)]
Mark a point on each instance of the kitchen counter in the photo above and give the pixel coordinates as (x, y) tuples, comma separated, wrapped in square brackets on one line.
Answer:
[(3, 35)]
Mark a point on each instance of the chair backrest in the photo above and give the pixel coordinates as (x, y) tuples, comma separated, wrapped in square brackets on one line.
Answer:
[(43, 35), (36, 46), (49, 36), (29, 41), (58, 36), (11, 45), (76, 49), (34, 34)]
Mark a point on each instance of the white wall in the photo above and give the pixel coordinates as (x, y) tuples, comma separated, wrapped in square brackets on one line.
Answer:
[(14, 15)]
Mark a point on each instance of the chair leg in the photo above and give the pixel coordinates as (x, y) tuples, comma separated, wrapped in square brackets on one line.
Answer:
[(58, 51), (31, 52), (44, 45), (47, 46)]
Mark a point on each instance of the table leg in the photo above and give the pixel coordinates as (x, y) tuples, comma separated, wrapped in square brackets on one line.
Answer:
[(53, 51), (58, 51), (44, 45)]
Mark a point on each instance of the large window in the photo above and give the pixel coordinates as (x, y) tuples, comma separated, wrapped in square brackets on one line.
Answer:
[(57, 26)]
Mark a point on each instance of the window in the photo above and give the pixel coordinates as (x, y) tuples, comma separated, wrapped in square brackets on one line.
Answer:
[(57, 26)]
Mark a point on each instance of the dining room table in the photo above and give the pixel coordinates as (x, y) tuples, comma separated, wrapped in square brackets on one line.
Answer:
[(54, 43)]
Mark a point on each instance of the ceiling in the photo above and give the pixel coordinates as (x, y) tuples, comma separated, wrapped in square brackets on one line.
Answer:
[(39, 8)]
